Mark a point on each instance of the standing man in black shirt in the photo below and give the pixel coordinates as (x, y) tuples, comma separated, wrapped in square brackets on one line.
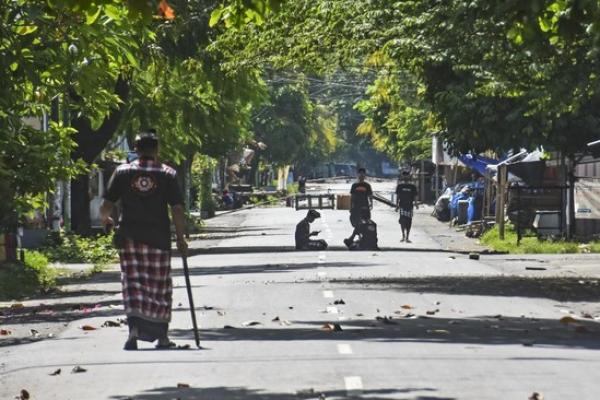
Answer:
[(361, 202), (406, 193), (146, 189)]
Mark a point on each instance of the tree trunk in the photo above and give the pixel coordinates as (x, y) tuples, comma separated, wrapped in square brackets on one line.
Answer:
[(90, 143)]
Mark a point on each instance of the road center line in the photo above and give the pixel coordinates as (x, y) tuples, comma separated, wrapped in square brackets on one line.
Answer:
[(328, 294), (344, 348), (353, 385)]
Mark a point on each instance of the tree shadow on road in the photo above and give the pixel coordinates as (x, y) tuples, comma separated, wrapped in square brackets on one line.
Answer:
[(242, 393), (483, 330), (556, 288)]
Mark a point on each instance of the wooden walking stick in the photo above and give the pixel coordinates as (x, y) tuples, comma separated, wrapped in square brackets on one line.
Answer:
[(188, 284)]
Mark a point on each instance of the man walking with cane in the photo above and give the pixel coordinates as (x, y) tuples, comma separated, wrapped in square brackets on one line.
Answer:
[(146, 189)]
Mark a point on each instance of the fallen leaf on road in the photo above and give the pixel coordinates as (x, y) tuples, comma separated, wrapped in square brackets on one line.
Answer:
[(5, 332), (536, 396), (437, 303), (568, 320), (34, 333), (291, 307), (88, 328), (276, 319), (360, 315), (78, 370), (410, 316), (438, 331), (24, 395), (221, 313), (229, 327), (57, 372), (407, 307), (111, 324), (183, 385), (332, 327), (17, 305), (432, 312), (340, 301), (251, 323)]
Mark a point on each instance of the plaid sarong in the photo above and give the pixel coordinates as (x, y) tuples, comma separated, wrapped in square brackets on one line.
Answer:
[(146, 279), (404, 212)]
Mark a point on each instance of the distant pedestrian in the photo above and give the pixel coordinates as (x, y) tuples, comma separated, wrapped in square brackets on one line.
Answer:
[(361, 201), (146, 189), (303, 234), (302, 184), (406, 194)]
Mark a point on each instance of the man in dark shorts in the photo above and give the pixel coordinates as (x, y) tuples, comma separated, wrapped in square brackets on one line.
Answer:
[(146, 188), (303, 233), (361, 202), (406, 193)]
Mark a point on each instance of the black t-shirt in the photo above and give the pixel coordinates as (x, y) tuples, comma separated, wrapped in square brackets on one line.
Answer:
[(406, 193), (360, 193), (146, 189), (302, 233)]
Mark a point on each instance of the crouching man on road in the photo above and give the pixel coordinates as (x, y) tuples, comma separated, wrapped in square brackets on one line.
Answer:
[(146, 189), (303, 233), (366, 231)]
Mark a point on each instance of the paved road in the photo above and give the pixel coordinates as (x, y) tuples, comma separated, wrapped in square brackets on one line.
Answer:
[(421, 324)]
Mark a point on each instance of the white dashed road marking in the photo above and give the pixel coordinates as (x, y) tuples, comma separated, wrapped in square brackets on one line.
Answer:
[(354, 385), (344, 348)]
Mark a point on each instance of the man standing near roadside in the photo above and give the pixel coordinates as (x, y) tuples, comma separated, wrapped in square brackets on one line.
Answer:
[(361, 202), (146, 189), (406, 193)]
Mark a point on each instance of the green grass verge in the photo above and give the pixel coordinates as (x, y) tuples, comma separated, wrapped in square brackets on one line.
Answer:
[(532, 245), (20, 280), (76, 249)]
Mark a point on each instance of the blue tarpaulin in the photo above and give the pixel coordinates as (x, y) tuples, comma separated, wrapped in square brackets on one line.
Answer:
[(477, 162)]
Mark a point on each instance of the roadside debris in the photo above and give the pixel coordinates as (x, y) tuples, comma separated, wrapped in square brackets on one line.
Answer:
[(24, 395), (78, 370), (87, 328), (111, 324), (251, 323), (438, 331), (433, 312), (536, 268), (536, 396), (385, 320), (332, 327), (5, 332), (183, 385), (57, 372), (340, 301)]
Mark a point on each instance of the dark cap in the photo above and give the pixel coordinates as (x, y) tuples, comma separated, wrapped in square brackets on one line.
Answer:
[(146, 141), (313, 214)]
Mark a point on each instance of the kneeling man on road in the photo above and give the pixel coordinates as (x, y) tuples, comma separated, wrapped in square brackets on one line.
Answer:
[(146, 189), (303, 233), (366, 231)]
